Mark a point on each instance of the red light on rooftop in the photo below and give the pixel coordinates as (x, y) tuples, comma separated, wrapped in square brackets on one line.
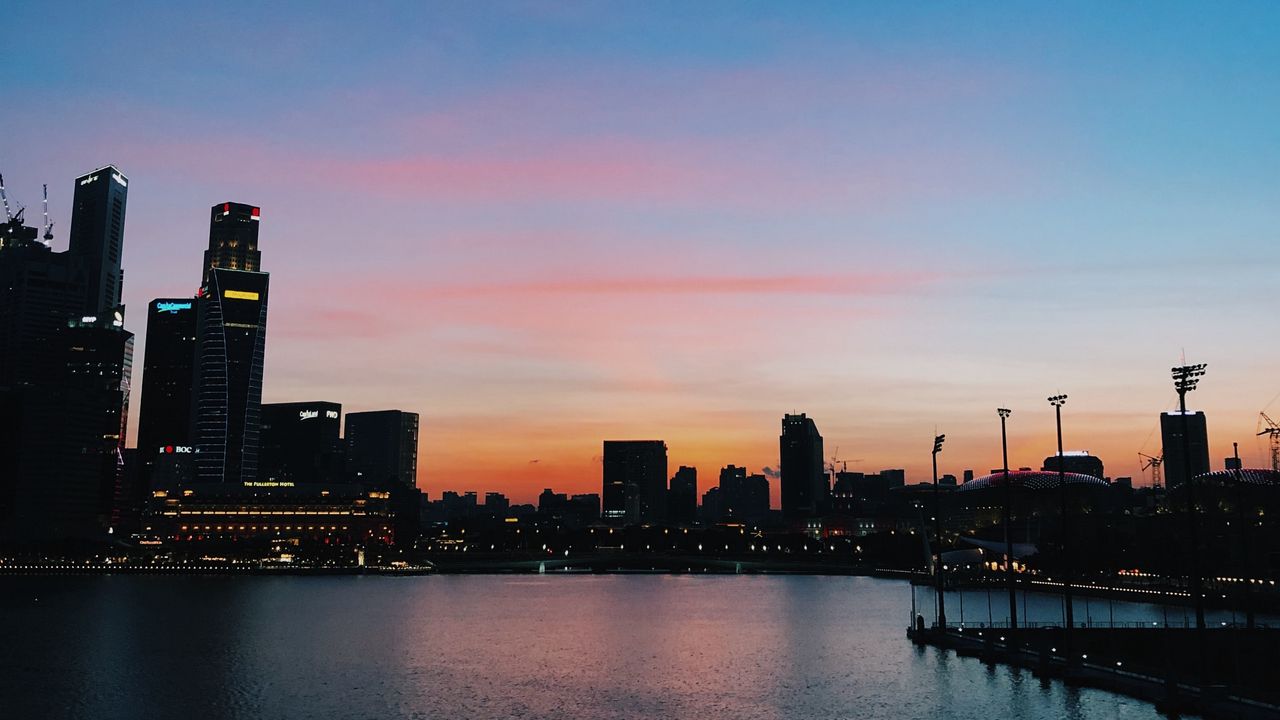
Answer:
[(257, 212)]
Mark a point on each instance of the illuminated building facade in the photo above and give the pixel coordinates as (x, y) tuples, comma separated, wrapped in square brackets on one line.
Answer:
[(635, 480), (300, 443), (231, 342), (168, 369), (805, 490), (233, 238), (213, 513)]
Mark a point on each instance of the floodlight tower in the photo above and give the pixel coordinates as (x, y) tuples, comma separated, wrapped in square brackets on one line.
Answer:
[(1008, 513), (1057, 401), (937, 533), (1185, 379)]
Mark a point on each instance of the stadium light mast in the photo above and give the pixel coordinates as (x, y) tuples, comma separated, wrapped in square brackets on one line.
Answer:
[(1008, 520), (1185, 379), (1069, 618), (937, 533)]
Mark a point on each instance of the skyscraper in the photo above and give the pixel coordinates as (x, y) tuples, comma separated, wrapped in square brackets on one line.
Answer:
[(168, 372), (382, 452), (382, 448), (1172, 426), (635, 480), (232, 336), (97, 236), (64, 369), (805, 492), (233, 238)]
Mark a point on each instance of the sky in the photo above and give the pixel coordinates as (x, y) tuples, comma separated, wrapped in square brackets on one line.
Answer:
[(542, 225)]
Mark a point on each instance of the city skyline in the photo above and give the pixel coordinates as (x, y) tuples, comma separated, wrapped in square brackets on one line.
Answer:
[(601, 272)]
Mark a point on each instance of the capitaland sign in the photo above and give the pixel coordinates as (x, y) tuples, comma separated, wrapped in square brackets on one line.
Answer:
[(308, 414)]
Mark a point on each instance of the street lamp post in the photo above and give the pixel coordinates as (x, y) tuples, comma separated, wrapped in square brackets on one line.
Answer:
[(937, 533), (1069, 612), (1008, 534)]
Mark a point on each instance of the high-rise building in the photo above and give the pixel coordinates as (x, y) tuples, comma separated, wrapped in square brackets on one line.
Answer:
[(1173, 425), (168, 375), (97, 236), (233, 238), (635, 480), (300, 443), (743, 497), (99, 365), (382, 448), (682, 498), (64, 369), (231, 343), (805, 492)]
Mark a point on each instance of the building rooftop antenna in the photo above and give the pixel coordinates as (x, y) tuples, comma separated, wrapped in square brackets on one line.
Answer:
[(48, 226)]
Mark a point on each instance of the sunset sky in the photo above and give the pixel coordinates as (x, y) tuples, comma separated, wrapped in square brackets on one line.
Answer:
[(543, 225)]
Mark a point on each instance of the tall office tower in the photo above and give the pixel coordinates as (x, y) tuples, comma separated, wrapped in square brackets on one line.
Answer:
[(231, 338), (635, 480), (682, 498), (1172, 426), (233, 238), (99, 366), (382, 448), (300, 443), (805, 492), (382, 452), (97, 236), (168, 371)]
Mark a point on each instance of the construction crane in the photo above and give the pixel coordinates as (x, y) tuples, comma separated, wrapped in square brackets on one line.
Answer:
[(48, 226), (1154, 463), (8, 216), (1273, 430)]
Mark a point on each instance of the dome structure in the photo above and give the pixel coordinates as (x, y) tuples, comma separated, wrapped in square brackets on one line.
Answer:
[(1030, 480)]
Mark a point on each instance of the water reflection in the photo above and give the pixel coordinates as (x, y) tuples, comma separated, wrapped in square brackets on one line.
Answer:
[(486, 647)]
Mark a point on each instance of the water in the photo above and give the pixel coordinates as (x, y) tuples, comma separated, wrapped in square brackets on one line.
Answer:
[(612, 646)]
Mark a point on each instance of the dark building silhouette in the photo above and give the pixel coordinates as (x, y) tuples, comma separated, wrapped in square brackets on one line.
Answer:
[(97, 236), (1172, 427), (233, 238), (712, 510), (805, 492), (635, 480), (382, 452), (496, 503), (65, 365), (300, 443), (382, 448), (168, 374), (682, 497), (99, 366), (231, 343), (1076, 461)]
